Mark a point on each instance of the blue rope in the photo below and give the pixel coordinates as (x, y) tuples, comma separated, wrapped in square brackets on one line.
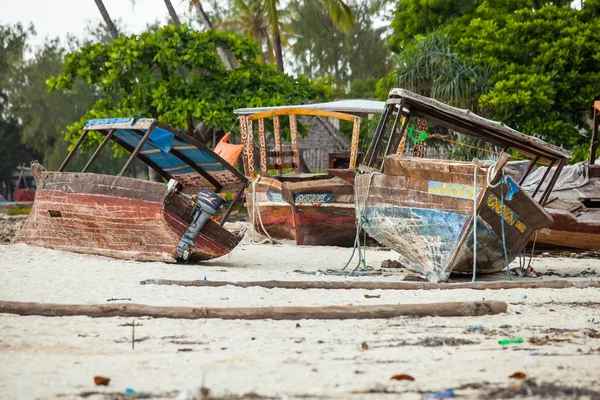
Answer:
[(502, 222)]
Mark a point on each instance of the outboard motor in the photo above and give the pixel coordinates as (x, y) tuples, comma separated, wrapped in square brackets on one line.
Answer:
[(206, 204)]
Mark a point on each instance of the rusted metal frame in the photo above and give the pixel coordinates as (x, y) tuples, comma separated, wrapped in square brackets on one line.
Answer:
[(277, 139), (396, 121), (98, 150), (263, 146), (143, 158), (204, 148), (550, 186), (72, 152), (354, 143), (531, 164), (403, 135), (205, 174), (543, 179), (295, 147), (137, 149), (595, 124), (374, 148), (234, 201)]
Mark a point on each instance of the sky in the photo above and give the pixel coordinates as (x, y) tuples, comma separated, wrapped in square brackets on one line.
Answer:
[(58, 18)]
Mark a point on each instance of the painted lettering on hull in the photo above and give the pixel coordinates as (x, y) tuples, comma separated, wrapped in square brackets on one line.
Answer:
[(313, 198), (452, 190), (510, 217)]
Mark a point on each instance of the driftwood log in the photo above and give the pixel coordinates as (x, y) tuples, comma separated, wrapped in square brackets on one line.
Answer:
[(555, 284), (455, 309)]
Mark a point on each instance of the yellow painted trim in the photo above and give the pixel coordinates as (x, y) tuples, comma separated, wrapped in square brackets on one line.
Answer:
[(302, 111)]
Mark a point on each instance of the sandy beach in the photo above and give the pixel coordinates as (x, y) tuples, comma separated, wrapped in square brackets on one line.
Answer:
[(57, 357)]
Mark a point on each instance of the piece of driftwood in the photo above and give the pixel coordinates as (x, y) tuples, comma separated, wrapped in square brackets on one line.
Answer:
[(455, 309), (555, 284)]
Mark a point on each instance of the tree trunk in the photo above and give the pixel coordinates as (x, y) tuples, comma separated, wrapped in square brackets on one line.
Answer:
[(454, 309), (332, 285), (172, 13), (109, 24), (206, 21), (277, 46)]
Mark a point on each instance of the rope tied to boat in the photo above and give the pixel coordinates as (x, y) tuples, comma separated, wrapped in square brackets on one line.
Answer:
[(256, 211), (360, 218), (475, 196)]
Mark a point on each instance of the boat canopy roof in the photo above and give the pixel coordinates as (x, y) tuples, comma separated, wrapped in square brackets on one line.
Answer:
[(356, 106), (172, 153), (467, 122)]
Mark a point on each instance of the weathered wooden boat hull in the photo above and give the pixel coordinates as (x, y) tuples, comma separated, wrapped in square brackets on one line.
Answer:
[(116, 217), (315, 213), (571, 231), (423, 209)]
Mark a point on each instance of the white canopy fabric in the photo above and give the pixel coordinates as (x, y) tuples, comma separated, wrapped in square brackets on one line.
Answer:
[(356, 106)]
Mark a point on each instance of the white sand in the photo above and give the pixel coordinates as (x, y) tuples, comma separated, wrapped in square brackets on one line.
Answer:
[(43, 357)]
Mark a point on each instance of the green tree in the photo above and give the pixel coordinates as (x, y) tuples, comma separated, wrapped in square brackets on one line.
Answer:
[(175, 75), (545, 69), (430, 67)]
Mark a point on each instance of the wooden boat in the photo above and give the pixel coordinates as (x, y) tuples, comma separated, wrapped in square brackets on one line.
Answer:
[(123, 217), (447, 216), (574, 203), (310, 208)]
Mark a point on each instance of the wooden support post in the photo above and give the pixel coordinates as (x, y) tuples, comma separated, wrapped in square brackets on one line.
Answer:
[(250, 149), (354, 143), (72, 152), (244, 135), (277, 139), (595, 127), (454, 309), (137, 150), (374, 285), (371, 157), (295, 147), (263, 146), (543, 179), (236, 199), (99, 149), (531, 165), (403, 135), (548, 190), (392, 132), (145, 159)]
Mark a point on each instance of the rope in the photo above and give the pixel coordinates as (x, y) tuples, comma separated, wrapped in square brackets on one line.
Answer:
[(502, 224), (256, 209), (475, 222), (470, 146), (359, 223)]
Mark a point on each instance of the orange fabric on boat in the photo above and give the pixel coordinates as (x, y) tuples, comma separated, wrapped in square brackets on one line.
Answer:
[(229, 152)]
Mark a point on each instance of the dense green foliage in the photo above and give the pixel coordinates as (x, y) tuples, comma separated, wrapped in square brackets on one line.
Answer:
[(175, 75), (531, 64), (545, 65)]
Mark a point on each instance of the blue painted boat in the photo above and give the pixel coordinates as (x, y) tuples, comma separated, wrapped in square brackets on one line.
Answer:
[(442, 215)]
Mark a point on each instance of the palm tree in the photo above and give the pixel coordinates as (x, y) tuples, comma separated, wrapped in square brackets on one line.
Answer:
[(109, 24), (206, 21), (172, 13), (337, 10)]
